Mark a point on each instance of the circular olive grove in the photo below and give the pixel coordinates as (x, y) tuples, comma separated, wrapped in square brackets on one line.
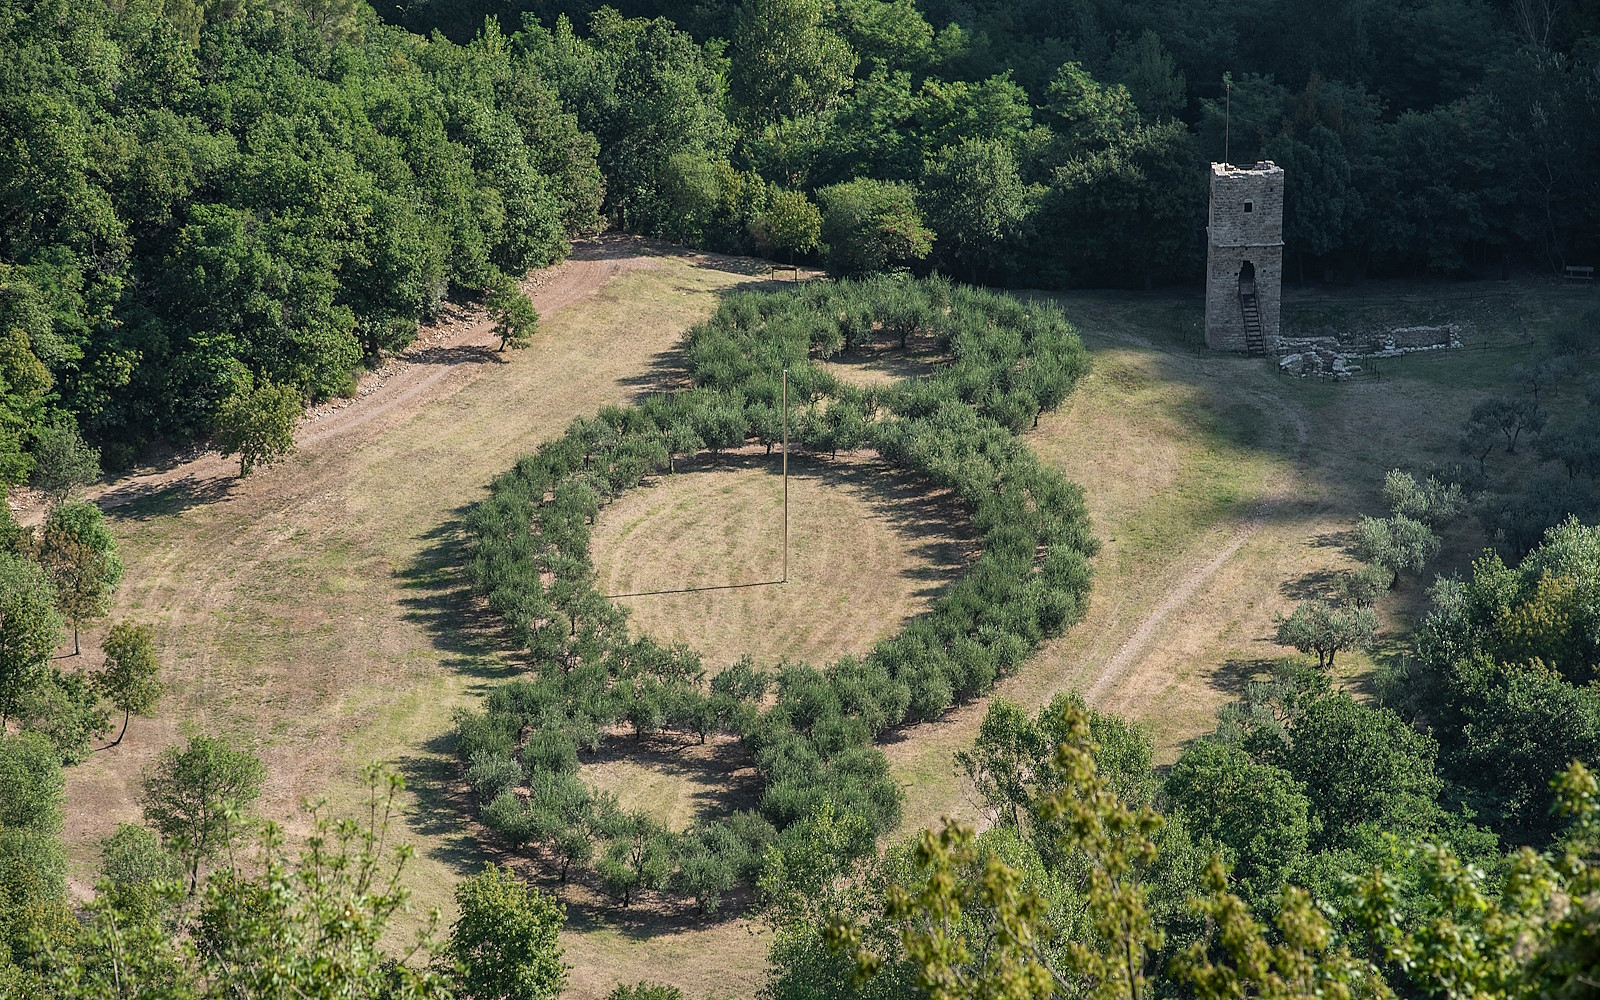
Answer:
[(824, 790)]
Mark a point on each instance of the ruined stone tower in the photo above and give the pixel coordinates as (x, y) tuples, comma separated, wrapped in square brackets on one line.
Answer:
[(1244, 258)]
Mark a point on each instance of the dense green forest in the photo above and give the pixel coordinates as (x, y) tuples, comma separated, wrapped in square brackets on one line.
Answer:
[(1063, 141), (205, 200), (197, 198)]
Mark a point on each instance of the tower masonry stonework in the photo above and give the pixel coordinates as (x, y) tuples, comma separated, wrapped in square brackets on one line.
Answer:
[(1244, 258)]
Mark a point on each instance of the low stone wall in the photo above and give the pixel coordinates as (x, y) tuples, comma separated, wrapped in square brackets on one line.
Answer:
[(1401, 340), (1329, 357)]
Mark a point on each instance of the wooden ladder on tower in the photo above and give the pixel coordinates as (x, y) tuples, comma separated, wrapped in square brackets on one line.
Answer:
[(1255, 343)]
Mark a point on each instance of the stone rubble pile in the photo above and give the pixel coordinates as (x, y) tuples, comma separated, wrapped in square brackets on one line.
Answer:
[(1318, 362)]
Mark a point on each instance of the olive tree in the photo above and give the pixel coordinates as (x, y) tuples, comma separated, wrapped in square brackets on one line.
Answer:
[(1319, 627), (1399, 544), (1431, 501), (1509, 416)]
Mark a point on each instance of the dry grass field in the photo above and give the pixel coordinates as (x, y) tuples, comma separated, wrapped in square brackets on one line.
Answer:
[(720, 525), (313, 611)]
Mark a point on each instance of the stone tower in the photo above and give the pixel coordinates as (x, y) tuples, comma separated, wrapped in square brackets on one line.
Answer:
[(1244, 258)]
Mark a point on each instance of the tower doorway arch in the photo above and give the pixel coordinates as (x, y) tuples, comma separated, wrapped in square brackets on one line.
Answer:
[(1247, 279)]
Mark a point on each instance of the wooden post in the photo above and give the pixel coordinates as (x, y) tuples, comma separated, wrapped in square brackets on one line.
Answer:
[(786, 475)]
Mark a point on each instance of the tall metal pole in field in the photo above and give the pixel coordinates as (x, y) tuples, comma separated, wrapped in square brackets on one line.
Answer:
[(786, 475)]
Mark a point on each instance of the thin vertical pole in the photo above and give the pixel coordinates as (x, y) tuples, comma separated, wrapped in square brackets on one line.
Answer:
[(1227, 117), (786, 475)]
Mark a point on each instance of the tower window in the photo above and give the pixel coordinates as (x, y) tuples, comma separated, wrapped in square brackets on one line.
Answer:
[(1249, 206)]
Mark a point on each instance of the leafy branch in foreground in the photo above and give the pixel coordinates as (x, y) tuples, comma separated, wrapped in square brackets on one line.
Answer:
[(994, 936), (975, 926), (312, 926), (306, 927)]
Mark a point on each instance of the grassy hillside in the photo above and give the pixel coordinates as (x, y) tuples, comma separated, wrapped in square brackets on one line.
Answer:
[(300, 611)]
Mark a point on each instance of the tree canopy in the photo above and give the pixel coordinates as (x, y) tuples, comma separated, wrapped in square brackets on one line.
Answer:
[(215, 196)]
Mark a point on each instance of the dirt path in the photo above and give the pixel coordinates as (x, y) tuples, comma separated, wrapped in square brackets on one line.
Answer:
[(1116, 669), (312, 611), (445, 353)]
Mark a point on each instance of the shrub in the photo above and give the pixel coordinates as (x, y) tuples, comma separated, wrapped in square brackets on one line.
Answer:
[(645, 991), (552, 750), (141, 874)]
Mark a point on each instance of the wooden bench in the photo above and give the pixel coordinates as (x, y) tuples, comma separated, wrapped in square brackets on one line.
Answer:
[(1575, 273)]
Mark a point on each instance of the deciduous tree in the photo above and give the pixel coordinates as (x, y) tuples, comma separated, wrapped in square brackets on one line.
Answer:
[(196, 797), (505, 938), (1432, 502), (975, 202), (30, 629), (131, 677), (1362, 765), (64, 707), (1258, 813), (872, 226), (258, 423), (792, 225), (787, 61), (79, 553), (515, 319), (1478, 438), (1510, 416), (62, 461), (139, 871)]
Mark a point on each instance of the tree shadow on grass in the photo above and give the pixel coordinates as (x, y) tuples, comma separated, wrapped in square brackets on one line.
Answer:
[(442, 806), (472, 643), (932, 522), (718, 776), (142, 502), (1236, 674), (1311, 586), (474, 354), (748, 266), (883, 361), (663, 374), (439, 598), (1344, 540), (651, 914)]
